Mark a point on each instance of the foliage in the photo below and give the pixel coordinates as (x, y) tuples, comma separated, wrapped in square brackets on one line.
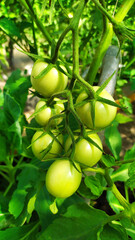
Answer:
[(76, 35)]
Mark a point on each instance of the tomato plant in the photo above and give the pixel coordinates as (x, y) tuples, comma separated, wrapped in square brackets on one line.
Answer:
[(45, 146), (104, 113), (52, 82), (86, 152), (43, 116), (63, 178), (59, 180)]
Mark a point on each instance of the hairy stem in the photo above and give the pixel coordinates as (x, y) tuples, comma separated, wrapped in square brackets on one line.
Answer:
[(39, 24), (123, 10), (99, 54), (86, 85), (115, 191), (107, 34), (54, 58)]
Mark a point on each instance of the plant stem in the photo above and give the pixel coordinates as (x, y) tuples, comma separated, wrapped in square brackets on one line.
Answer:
[(8, 188), (39, 24), (72, 110), (100, 52), (107, 35), (71, 135), (74, 27), (115, 191), (124, 162), (115, 217), (75, 52), (54, 58), (86, 85), (120, 198), (29, 232), (123, 10), (97, 170), (102, 48), (5, 176), (127, 194)]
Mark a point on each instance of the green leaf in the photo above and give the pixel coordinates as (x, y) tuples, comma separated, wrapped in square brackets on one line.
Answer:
[(126, 104), (15, 233), (9, 27), (94, 185), (17, 86), (113, 139), (121, 118), (121, 174), (85, 192), (114, 231), (6, 219), (130, 154), (78, 223), (130, 227), (131, 172), (15, 136), (27, 179), (108, 160), (11, 109), (131, 182), (3, 148), (113, 202), (17, 202), (42, 206)]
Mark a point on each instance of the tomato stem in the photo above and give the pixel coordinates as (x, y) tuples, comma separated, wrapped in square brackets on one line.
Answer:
[(61, 38), (74, 27), (97, 170), (123, 10), (108, 34), (86, 85), (115, 191), (101, 49)]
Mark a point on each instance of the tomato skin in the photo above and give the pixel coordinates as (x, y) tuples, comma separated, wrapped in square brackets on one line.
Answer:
[(85, 152), (104, 113), (44, 115), (63, 179), (54, 81), (41, 144)]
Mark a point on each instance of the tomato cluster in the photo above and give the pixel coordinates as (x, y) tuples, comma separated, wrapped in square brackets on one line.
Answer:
[(79, 151)]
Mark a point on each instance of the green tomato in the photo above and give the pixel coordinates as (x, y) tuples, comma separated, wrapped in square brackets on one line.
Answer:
[(85, 152), (63, 179), (54, 81), (43, 116), (104, 113), (40, 143)]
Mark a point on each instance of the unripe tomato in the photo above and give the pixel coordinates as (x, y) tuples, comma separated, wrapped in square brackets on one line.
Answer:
[(104, 113), (44, 115), (40, 143), (63, 179), (85, 152), (54, 81)]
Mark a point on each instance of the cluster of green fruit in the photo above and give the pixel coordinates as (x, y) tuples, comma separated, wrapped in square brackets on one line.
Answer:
[(64, 176)]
